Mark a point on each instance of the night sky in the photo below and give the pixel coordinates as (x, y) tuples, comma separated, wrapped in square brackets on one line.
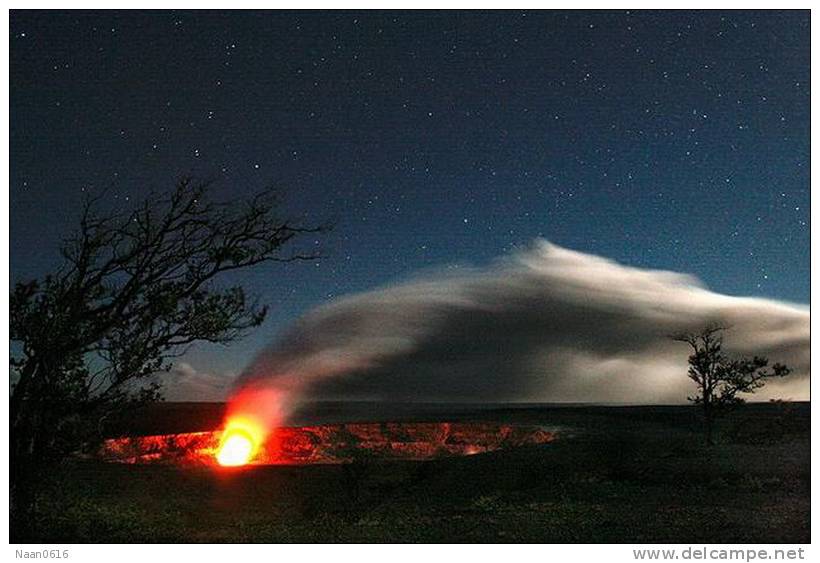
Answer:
[(671, 140)]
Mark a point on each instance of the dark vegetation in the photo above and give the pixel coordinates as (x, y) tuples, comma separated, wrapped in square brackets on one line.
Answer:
[(719, 379), (617, 474)]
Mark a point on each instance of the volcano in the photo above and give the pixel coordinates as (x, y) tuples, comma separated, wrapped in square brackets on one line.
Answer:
[(332, 443)]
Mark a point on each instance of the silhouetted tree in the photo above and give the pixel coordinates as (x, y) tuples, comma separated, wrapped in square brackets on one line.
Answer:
[(134, 291), (721, 379)]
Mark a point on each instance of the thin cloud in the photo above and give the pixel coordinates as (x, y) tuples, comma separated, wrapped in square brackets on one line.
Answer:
[(186, 383)]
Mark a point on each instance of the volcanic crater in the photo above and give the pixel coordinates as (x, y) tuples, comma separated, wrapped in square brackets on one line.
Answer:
[(333, 443)]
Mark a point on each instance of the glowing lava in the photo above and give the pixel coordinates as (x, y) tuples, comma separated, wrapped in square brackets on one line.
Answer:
[(240, 441), (325, 444), (236, 449)]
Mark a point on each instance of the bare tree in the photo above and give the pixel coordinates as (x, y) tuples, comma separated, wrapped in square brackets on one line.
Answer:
[(720, 379), (135, 290)]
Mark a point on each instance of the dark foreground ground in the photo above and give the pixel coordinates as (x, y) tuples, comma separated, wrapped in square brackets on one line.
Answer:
[(616, 474)]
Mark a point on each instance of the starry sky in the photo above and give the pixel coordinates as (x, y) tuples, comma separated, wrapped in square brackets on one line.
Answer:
[(672, 140)]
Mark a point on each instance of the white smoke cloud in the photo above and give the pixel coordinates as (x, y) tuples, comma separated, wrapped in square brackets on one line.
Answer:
[(550, 324)]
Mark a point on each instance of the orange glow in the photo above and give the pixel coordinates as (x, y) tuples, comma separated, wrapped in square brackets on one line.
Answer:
[(240, 442), (235, 450)]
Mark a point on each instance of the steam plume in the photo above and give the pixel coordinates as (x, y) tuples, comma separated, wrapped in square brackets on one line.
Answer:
[(549, 324)]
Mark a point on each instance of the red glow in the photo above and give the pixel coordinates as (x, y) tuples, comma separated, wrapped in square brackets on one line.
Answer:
[(244, 442), (252, 414), (240, 441)]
